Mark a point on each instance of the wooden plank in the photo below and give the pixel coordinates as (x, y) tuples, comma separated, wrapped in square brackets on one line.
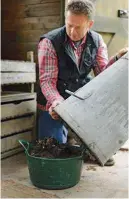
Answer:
[(33, 10), (11, 142), (20, 49), (17, 125), (116, 26), (30, 35), (107, 37), (12, 110), (16, 96), (28, 15), (62, 14), (11, 152), (16, 78), (29, 2), (28, 46), (12, 54), (34, 20), (112, 24), (13, 3), (32, 23), (101, 120), (110, 8), (9, 35), (17, 66), (122, 42), (19, 53)]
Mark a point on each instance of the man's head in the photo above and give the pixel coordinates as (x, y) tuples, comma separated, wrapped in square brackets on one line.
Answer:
[(78, 18)]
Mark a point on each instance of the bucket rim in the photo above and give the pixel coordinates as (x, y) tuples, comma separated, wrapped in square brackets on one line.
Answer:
[(54, 159)]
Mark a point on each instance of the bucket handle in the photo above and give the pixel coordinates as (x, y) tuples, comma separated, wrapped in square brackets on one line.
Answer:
[(83, 147), (24, 143)]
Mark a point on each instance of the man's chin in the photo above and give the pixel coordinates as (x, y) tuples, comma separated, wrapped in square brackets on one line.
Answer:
[(75, 40)]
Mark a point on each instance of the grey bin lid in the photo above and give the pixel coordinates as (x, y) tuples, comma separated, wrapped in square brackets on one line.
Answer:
[(101, 119)]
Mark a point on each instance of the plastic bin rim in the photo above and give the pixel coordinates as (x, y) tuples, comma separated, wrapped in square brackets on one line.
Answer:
[(54, 159)]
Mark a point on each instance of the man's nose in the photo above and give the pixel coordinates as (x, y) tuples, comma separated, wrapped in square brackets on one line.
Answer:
[(72, 30)]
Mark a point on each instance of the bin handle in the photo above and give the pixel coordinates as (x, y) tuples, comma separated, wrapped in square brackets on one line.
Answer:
[(83, 147), (24, 143)]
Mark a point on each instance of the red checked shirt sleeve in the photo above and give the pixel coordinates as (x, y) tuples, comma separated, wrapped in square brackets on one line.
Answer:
[(102, 61), (101, 58), (48, 71)]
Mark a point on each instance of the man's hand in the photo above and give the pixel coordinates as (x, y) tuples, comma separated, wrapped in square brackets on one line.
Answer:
[(122, 52), (53, 114)]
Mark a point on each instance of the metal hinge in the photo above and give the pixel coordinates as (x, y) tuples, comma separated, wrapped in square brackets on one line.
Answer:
[(123, 13)]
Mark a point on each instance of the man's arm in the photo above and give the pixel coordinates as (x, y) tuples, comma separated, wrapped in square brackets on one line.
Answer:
[(48, 71), (117, 56), (101, 57)]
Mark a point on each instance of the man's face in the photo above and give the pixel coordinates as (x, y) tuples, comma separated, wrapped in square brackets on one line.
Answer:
[(77, 25)]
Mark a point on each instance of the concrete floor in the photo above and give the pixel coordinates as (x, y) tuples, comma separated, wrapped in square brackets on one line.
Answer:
[(96, 181)]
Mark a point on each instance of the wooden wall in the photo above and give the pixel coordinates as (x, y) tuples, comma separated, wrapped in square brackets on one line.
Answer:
[(23, 22)]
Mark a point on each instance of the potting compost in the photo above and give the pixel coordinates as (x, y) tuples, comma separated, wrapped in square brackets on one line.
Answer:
[(51, 148)]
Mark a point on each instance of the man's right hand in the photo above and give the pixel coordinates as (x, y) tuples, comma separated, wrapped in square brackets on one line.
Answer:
[(53, 114)]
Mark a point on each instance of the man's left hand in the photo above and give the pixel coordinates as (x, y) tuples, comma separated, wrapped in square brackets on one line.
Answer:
[(122, 52)]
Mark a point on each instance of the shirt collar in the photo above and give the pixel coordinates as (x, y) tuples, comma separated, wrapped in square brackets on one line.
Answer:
[(72, 43)]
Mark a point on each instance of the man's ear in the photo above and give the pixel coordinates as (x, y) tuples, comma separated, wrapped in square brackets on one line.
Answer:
[(91, 23)]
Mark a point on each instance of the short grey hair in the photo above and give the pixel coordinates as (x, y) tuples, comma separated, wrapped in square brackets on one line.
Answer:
[(86, 7)]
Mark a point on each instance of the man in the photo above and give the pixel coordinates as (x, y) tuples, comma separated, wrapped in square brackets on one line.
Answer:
[(66, 56)]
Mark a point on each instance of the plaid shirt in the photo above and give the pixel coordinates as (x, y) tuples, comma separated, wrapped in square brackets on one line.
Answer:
[(48, 67)]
